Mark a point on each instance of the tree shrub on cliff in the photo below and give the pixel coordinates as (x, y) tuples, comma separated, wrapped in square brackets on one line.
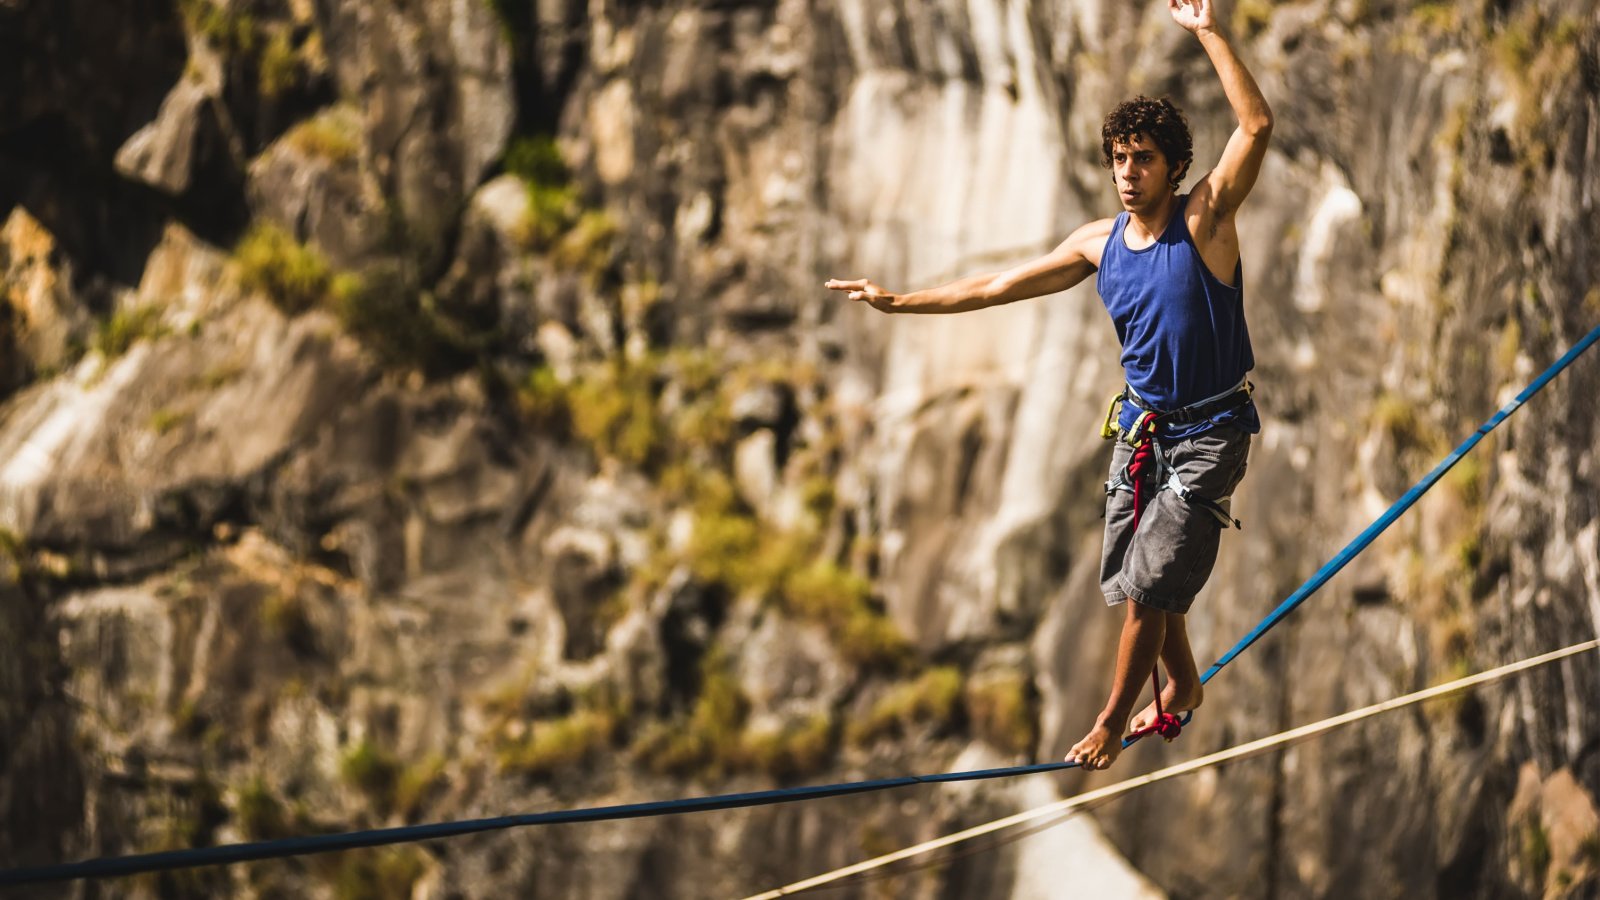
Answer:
[(294, 277), (381, 309)]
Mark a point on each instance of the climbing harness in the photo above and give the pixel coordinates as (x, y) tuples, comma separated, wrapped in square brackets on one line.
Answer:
[(1150, 460)]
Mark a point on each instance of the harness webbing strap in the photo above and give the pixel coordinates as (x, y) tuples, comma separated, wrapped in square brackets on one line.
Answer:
[(1210, 407), (1144, 430), (1166, 474)]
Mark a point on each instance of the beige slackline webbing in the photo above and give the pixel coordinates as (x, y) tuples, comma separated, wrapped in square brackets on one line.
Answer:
[(1194, 765)]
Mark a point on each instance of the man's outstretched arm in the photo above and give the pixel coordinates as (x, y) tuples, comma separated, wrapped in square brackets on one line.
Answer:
[(1075, 259), (1230, 182)]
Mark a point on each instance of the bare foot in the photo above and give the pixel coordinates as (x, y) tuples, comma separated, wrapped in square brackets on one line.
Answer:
[(1175, 698), (1098, 749)]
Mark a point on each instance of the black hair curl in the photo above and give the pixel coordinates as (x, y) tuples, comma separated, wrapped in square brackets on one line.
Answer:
[(1158, 120)]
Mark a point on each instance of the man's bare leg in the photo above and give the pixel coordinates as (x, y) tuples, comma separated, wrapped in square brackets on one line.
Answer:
[(1183, 690), (1143, 634)]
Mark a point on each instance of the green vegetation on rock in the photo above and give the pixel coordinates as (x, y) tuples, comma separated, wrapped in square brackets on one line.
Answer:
[(1001, 712), (127, 327), (792, 751), (284, 618), (417, 782), (577, 239), (614, 411), (823, 592), (280, 67), (1251, 17), (616, 408), (587, 245), (709, 742), (260, 814), (222, 25), (394, 321), (1539, 54), (379, 873), (276, 55), (553, 205), (1535, 847), (556, 744), (295, 277), (716, 739), (544, 401), (166, 418), (1589, 849), (933, 700), (373, 771), (1437, 16), (334, 135)]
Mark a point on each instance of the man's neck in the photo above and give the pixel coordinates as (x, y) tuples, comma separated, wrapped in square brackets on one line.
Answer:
[(1149, 224)]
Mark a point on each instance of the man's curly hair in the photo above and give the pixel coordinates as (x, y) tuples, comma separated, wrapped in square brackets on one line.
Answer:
[(1158, 120)]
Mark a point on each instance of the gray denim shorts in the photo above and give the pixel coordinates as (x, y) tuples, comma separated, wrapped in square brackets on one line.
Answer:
[(1166, 562)]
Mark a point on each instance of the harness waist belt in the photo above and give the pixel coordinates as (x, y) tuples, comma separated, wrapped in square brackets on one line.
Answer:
[(1198, 412)]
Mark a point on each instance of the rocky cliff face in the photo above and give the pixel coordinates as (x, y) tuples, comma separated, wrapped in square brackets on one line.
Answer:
[(421, 410)]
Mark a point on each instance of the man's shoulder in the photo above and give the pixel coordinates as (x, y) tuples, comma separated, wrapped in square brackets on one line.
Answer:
[(1090, 238), (1099, 228)]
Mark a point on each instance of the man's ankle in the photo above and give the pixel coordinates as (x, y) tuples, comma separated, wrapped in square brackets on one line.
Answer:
[(1110, 721)]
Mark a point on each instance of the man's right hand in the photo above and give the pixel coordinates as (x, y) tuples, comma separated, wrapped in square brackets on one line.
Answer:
[(865, 291), (1194, 15)]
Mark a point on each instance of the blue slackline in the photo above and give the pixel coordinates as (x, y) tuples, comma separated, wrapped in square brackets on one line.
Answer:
[(233, 853), (1400, 506), (105, 867)]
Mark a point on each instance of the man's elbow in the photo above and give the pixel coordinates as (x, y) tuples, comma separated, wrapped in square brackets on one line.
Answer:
[(1259, 125), (997, 290)]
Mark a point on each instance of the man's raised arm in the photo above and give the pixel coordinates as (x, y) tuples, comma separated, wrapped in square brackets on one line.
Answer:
[(1230, 182), (1075, 259)]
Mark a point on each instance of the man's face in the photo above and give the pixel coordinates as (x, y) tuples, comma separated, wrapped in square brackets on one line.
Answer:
[(1141, 173)]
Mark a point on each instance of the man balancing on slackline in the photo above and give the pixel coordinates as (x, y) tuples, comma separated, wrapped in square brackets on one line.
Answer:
[(1170, 276)]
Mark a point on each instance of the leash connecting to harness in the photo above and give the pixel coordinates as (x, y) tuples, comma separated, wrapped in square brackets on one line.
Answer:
[(1142, 438), (1149, 465), (1144, 454)]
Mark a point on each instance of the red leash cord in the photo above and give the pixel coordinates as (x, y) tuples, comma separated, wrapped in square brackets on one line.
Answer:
[(1166, 724)]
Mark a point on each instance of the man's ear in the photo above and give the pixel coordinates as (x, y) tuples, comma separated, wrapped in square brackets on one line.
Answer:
[(1181, 173)]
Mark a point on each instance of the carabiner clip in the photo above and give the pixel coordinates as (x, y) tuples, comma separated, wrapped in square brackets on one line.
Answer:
[(1108, 430)]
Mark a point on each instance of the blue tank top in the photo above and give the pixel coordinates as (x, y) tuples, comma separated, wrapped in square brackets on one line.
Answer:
[(1182, 330)]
